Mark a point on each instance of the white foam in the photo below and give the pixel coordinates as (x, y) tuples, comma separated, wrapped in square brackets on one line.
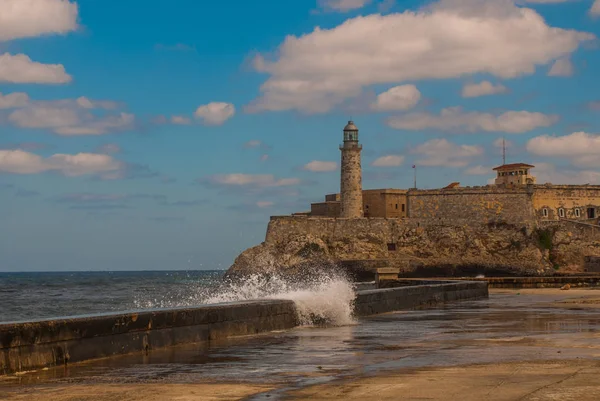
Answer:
[(322, 298)]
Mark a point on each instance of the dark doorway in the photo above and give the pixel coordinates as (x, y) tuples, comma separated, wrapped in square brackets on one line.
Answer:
[(591, 213), (391, 246)]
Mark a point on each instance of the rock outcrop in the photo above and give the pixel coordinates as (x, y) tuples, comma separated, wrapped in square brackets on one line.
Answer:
[(432, 248)]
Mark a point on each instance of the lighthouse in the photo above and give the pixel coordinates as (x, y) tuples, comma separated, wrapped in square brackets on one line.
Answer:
[(351, 175)]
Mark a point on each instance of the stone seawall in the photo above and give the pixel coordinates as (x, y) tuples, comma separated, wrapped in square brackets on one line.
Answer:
[(574, 281), (33, 345), (370, 302)]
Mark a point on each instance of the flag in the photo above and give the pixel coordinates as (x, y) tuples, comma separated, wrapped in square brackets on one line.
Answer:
[(414, 166)]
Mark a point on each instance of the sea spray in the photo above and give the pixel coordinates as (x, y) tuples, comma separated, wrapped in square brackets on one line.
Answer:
[(320, 298)]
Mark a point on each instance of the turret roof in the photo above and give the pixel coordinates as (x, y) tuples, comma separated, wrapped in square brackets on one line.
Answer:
[(350, 126), (513, 166)]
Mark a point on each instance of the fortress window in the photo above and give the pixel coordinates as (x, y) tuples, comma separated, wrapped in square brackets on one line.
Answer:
[(403, 207), (561, 212), (391, 246), (396, 206), (545, 212), (577, 213), (591, 213)]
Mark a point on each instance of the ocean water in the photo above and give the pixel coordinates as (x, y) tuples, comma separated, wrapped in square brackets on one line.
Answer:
[(33, 296)]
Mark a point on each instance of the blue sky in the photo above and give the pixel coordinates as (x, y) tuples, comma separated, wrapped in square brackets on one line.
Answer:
[(162, 135)]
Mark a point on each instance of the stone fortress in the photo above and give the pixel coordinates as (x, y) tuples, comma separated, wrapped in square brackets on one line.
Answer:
[(515, 225), (514, 196)]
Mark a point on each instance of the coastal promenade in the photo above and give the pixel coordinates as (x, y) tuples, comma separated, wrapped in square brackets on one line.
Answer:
[(518, 344)]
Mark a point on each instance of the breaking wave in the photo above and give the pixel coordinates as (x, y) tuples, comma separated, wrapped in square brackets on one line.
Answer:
[(326, 298), (321, 298)]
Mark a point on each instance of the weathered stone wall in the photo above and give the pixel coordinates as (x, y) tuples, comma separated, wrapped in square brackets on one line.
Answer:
[(592, 264), (460, 245), (282, 228), (390, 203), (370, 302), (552, 198), (351, 182), (374, 204), (32, 345), (479, 204), (325, 209)]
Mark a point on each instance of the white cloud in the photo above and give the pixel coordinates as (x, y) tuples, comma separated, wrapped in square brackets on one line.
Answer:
[(13, 100), (254, 143), (180, 120), (70, 117), (401, 97), (454, 119), (580, 148), (264, 204), (256, 180), (561, 68), (483, 88), (44, 117), (20, 69), (317, 71), (320, 166), (479, 170), (548, 173), (86, 103), (101, 126), (264, 158), (29, 18), (547, 1), (388, 161), (21, 162), (440, 152), (342, 5), (215, 113), (595, 10)]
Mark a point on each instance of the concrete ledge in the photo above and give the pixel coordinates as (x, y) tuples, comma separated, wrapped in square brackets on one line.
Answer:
[(32, 345), (538, 282), (371, 302)]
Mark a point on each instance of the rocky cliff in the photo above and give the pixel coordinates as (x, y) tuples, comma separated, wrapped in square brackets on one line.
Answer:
[(421, 247)]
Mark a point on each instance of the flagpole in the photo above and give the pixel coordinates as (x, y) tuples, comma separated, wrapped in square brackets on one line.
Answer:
[(415, 168)]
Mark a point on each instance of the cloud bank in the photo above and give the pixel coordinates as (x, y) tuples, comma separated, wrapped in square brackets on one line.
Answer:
[(317, 71)]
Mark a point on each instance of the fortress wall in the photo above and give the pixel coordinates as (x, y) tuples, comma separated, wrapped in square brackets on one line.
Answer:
[(281, 228), (569, 197), (325, 209), (529, 246), (387, 230), (480, 205)]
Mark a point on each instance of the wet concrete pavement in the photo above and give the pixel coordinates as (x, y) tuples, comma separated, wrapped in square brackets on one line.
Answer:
[(555, 333)]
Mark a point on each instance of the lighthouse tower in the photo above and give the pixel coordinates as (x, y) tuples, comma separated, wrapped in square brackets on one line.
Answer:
[(351, 175)]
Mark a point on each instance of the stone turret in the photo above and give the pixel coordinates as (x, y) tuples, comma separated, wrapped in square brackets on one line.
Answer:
[(351, 175), (514, 174)]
